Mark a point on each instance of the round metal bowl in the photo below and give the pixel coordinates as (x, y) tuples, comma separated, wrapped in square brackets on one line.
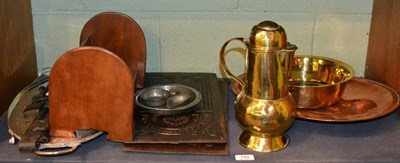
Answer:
[(317, 81), (173, 89), (154, 97)]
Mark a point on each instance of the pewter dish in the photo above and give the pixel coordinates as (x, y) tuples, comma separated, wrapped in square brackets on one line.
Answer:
[(175, 90)]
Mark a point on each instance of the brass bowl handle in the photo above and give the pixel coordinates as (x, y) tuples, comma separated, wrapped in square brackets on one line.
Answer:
[(223, 63)]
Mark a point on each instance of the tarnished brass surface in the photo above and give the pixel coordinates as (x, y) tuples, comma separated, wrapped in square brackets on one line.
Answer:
[(318, 82), (264, 107)]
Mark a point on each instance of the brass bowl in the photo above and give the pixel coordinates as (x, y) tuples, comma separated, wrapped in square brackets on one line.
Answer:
[(318, 82)]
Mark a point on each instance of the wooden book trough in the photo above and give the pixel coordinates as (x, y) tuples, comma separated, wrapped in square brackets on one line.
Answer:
[(92, 87)]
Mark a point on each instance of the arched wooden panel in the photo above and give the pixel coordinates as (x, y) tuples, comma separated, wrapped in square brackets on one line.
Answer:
[(91, 88), (120, 34)]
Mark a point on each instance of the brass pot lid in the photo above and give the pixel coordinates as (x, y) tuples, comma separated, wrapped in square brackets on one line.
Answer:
[(268, 35)]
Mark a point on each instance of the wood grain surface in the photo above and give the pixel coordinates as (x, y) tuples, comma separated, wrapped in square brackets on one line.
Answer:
[(383, 54), (17, 50), (91, 88), (121, 35), (383, 57)]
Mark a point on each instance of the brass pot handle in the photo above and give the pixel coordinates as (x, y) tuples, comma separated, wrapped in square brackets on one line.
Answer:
[(223, 63)]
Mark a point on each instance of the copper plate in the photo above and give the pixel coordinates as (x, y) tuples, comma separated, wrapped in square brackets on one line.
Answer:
[(362, 99)]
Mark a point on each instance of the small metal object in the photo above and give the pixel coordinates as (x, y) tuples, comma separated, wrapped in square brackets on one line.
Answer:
[(177, 100), (59, 146), (173, 92), (154, 97)]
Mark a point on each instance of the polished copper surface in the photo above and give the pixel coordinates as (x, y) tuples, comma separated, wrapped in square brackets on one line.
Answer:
[(362, 99), (264, 108), (317, 82)]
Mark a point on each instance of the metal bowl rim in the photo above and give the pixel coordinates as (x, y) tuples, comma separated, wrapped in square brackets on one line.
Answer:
[(345, 65)]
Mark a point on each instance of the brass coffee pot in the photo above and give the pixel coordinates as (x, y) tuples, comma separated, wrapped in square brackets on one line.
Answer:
[(264, 108)]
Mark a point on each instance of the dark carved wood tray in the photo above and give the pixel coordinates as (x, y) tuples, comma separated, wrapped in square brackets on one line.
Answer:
[(201, 131)]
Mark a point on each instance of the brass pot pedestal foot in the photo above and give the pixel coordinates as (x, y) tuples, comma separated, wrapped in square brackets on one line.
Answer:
[(263, 142)]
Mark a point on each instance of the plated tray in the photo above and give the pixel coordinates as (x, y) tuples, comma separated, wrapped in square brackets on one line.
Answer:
[(362, 99), (23, 125)]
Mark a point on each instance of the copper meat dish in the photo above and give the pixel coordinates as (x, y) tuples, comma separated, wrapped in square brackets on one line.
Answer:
[(362, 99)]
